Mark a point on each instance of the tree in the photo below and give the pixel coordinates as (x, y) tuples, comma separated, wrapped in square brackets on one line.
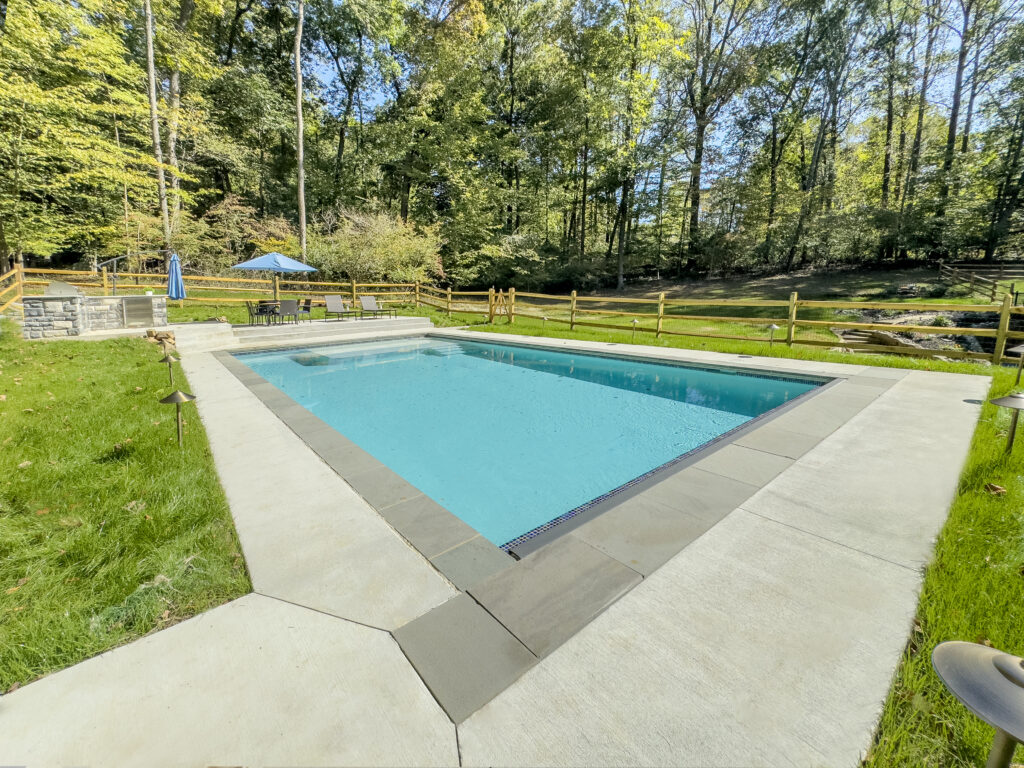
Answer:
[(154, 121), (300, 130)]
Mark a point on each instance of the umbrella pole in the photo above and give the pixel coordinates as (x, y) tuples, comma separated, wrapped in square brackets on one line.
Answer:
[(276, 286)]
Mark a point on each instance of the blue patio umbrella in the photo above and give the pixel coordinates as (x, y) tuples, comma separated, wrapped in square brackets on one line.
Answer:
[(274, 262), (175, 285)]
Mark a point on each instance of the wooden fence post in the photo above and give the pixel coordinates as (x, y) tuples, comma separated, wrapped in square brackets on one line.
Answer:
[(417, 294), (790, 325), (971, 287), (661, 313), (106, 286), (354, 297), (490, 304), (449, 301), (511, 306), (572, 311), (20, 277), (1004, 325), (277, 287)]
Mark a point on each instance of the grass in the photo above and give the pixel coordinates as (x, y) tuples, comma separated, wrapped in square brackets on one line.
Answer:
[(531, 327), (107, 531)]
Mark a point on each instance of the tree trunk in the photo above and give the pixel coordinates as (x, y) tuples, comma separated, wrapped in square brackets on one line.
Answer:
[(922, 106), (695, 174), (154, 122), (184, 16), (300, 131), (586, 170), (966, 137), (954, 111)]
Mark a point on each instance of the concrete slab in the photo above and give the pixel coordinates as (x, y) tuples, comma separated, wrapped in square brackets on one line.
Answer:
[(471, 562), (463, 655), (254, 682), (382, 487), (757, 645), (428, 526), (643, 534), (772, 438), (747, 465), (307, 536), (882, 483), (553, 593)]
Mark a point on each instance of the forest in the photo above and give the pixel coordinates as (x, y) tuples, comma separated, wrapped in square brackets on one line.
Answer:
[(545, 144)]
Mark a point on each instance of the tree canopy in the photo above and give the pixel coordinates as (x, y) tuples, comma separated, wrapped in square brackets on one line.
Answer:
[(541, 143)]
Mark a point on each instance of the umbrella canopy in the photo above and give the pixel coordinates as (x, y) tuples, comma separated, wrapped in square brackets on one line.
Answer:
[(274, 262), (175, 285)]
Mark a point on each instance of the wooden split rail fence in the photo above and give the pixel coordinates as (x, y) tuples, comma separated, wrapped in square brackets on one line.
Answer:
[(975, 281), (573, 309)]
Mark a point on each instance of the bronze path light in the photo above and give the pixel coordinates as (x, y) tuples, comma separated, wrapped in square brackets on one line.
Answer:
[(771, 335), (170, 360), (990, 684), (1016, 402), (1018, 350), (177, 398)]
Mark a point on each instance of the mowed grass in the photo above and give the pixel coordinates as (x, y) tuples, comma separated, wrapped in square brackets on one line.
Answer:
[(974, 587), (107, 530)]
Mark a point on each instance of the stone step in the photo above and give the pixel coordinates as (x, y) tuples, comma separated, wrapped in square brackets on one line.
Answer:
[(305, 331)]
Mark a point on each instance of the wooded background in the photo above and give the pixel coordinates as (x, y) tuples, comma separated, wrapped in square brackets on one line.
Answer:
[(542, 143)]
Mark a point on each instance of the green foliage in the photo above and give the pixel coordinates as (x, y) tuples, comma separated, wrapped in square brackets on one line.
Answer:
[(373, 248)]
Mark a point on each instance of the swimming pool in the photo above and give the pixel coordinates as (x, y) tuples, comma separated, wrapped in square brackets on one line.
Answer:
[(510, 438)]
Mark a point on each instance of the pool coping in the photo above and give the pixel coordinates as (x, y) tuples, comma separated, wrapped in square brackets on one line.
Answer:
[(520, 611)]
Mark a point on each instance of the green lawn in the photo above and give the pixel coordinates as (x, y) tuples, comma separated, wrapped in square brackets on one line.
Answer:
[(107, 530)]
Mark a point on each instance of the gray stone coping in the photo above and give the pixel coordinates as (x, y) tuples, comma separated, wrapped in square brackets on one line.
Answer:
[(516, 610)]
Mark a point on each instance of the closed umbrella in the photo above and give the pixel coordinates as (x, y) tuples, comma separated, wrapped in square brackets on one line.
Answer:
[(175, 284)]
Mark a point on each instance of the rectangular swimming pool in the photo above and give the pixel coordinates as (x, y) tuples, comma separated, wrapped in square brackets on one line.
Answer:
[(513, 439)]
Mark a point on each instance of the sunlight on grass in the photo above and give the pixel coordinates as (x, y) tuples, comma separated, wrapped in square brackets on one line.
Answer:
[(107, 531)]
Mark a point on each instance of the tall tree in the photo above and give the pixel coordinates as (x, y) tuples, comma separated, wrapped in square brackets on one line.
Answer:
[(154, 122), (299, 130)]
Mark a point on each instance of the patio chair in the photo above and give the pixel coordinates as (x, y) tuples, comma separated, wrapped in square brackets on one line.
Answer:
[(268, 310), (258, 313), (337, 306), (289, 308), (306, 308), (373, 309)]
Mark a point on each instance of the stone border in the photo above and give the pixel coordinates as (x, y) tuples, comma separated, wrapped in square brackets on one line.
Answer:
[(514, 613)]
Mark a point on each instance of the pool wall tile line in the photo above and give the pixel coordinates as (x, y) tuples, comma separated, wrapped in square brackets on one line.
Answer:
[(509, 612)]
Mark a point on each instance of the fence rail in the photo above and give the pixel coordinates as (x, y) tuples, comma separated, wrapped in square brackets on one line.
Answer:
[(973, 280), (657, 315)]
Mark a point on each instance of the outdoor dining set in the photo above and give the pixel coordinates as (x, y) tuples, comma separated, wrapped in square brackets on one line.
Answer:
[(271, 312)]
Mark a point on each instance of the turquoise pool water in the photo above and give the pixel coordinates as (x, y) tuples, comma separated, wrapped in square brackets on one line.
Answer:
[(510, 438)]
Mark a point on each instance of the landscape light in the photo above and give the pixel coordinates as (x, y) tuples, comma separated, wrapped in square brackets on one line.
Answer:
[(1016, 402), (633, 337), (170, 360), (771, 334), (1019, 350), (990, 684), (177, 398)]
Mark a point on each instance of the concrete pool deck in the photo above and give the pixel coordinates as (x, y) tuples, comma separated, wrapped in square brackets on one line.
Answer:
[(769, 639)]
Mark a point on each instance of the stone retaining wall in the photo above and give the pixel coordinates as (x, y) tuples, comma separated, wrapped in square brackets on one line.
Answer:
[(54, 316)]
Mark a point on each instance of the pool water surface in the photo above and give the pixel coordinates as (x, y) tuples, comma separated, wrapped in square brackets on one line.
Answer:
[(511, 438)]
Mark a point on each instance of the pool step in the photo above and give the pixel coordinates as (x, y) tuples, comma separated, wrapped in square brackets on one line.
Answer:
[(318, 330)]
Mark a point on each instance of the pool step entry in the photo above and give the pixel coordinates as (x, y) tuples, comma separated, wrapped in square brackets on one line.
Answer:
[(300, 333)]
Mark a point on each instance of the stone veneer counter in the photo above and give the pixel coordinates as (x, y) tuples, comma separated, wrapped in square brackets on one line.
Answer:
[(55, 316)]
